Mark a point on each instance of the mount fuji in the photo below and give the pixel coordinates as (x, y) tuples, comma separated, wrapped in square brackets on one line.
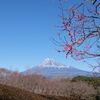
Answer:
[(50, 68)]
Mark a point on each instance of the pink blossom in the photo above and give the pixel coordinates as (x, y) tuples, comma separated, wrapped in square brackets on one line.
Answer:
[(68, 47), (80, 17), (77, 41)]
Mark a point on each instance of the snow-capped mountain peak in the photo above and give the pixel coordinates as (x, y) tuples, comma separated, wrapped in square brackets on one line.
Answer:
[(50, 68), (51, 63)]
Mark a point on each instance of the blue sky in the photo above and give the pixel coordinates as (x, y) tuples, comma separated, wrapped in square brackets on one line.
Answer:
[(26, 27)]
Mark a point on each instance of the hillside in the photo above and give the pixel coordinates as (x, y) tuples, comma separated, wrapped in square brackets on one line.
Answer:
[(11, 93)]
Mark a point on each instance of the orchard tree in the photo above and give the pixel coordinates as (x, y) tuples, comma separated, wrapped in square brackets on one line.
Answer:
[(80, 29)]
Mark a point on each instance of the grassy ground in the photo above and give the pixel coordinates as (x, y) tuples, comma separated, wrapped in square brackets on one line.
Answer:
[(11, 93)]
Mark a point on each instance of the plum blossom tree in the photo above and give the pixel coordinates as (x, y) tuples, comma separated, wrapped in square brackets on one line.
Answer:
[(80, 29)]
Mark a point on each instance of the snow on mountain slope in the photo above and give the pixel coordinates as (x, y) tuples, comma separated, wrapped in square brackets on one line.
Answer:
[(51, 68), (51, 63)]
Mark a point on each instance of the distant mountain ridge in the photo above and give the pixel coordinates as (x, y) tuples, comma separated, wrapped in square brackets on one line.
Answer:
[(5, 72), (50, 68)]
